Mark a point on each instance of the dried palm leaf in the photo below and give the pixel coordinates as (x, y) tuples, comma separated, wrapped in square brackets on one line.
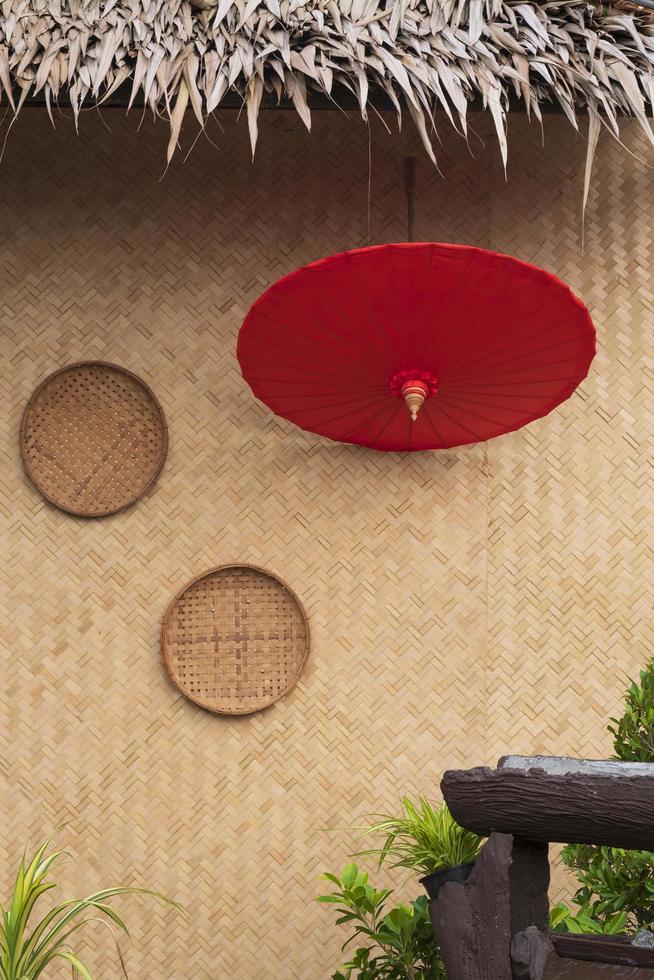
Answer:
[(424, 55)]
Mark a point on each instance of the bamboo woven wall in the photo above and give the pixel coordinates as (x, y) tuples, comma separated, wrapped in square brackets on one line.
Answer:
[(461, 604)]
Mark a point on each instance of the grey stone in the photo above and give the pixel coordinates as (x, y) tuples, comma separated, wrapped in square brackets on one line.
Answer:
[(560, 765)]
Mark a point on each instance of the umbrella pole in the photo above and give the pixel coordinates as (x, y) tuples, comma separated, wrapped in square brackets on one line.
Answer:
[(410, 188)]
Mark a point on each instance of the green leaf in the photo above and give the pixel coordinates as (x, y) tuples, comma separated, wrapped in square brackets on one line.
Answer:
[(25, 955), (349, 875), (423, 839), (76, 963), (328, 877)]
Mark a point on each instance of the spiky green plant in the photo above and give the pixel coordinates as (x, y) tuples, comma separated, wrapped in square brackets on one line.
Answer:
[(26, 949), (424, 839)]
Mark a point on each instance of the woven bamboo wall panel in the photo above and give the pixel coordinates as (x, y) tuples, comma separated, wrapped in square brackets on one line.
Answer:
[(461, 604)]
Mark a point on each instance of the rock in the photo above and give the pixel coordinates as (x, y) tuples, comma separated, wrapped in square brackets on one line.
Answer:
[(644, 938)]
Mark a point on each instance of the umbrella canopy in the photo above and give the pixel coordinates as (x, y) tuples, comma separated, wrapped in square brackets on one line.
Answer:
[(415, 346)]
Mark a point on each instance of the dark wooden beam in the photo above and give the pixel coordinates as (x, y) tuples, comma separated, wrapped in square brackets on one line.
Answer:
[(342, 99), (560, 968), (616, 950), (581, 808)]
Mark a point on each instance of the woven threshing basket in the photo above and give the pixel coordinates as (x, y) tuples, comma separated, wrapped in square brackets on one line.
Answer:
[(93, 438), (235, 640)]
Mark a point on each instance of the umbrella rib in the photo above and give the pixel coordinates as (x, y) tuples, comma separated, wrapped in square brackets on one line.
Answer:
[(522, 377), (499, 350), (344, 415), (518, 285), (353, 327), (515, 400), (337, 389), (366, 401), (461, 424), (428, 413), (487, 418), (546, 327), (358, 428), (510, 360), (318, 371), (510, 384), (480, 362), (518, 424), (551, 399), (502, 394), (462, 393), (259, 339), (276, 321), (464, 326), (455, 422), (398, 312), (379, 432), (391, 346)]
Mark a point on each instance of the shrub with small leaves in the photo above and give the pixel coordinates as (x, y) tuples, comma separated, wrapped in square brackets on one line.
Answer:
[(615, 881), (633, 733), (396, 943), (563, 919)]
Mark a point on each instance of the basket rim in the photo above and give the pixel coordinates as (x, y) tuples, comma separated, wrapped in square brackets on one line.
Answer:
[(165, 656), (164, 433)]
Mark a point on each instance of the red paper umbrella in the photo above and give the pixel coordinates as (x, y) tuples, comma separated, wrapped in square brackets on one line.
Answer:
[(472, 343)]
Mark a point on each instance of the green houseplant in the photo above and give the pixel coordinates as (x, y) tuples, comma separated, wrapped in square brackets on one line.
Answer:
[(427, 841), (27, 948), (563, 919), (633, 732), (613, 881), (394, 943)]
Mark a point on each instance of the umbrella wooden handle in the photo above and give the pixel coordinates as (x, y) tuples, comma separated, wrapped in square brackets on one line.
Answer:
[(414, 394), (410, 188)]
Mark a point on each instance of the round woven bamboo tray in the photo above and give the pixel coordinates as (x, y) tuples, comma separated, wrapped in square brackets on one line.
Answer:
[(235, 639), (93, 438)]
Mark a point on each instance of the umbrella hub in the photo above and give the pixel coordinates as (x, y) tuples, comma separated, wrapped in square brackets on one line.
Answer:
[(414, 387)]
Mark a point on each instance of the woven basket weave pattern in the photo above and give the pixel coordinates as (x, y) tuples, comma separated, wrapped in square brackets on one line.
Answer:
[(236, 640), (93, 438)]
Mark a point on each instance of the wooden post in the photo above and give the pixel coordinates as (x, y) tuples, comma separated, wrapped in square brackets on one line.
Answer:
[(410, 189), (506, 893), (529, 882), (472, 922)]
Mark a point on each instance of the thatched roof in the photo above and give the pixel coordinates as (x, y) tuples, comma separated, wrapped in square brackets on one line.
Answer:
[(423, 54)]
